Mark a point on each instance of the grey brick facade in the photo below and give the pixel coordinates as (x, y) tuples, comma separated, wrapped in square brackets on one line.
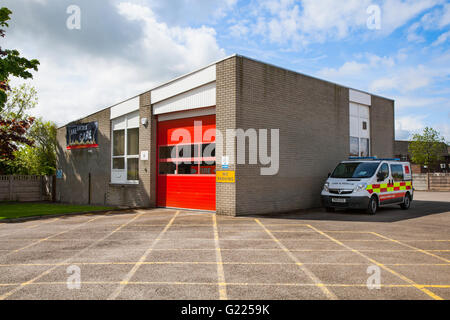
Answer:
[(312, 116)]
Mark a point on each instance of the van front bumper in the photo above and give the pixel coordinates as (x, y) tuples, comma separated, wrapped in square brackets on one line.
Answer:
[(350, 202)]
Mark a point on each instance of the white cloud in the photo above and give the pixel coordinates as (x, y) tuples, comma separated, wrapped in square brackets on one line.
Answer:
[(404, 102), (351, 68), (406, 126), (404, 80), (311, 21), (75, 80), (355, 69), (442, 38)]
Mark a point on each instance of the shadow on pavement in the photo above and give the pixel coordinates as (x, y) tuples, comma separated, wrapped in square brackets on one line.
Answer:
[(393, 213)]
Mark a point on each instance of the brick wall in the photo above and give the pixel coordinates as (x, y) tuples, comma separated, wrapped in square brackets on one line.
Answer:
[(382, 126), (77, 164), (226, 84), (313, 118)]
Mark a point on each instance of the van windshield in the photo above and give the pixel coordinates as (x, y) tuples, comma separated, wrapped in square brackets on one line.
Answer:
[(355, 170)]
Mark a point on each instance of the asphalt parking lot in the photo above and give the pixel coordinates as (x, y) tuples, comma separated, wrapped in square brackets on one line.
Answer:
[(176, 254)]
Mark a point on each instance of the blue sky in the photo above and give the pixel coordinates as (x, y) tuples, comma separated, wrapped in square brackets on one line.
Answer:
[(126, 47)]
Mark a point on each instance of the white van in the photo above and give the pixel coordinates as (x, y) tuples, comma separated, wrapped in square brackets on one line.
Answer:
[(368, 183)]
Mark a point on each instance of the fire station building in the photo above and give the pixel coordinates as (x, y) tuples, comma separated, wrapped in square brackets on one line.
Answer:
[(124, 155)]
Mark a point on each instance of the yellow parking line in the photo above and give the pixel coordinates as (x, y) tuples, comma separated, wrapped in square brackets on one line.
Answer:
[(136, 267), (49, 237), (311, 275), (29, 227), (423, 289), (214, 263), (412, 247), (278, 284), (24, 284), (220, 271)]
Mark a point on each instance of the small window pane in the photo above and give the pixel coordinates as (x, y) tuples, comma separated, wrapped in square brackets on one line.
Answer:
[(132, 169), (397, 172), (209, 150), (167, 152), (184, 168), (354, 148), (133, 141), (188, 151), (119, 142), (364, 151), (208, 167), (384, 170), (364, 125), (119, 163), (167, 168)]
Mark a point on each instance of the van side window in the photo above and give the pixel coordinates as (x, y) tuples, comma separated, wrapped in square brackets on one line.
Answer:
[(397, 172), (385, 170)]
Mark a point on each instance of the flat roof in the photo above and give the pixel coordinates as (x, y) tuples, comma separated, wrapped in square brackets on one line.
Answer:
[(213, 63)]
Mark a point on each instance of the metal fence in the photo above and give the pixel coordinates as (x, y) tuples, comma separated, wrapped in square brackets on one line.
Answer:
[(25, 188)]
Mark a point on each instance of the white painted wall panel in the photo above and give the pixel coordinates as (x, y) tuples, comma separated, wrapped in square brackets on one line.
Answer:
[(125, 107), (204, 96), (133, 120), (184, 84), (360, 97), (187, 114), (119, 123), (354, 132)]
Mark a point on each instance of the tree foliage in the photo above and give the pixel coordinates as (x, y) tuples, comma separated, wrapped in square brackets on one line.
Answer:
[(11, 63), (426, 148), (20, 99), (40, 158), (14, 123)]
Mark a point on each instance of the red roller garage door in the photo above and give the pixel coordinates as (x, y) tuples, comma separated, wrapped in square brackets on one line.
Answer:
[(186, 163)]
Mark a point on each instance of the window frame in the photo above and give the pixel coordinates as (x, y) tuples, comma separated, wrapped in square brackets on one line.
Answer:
[(362, 124), (197, 159), (125, 156)]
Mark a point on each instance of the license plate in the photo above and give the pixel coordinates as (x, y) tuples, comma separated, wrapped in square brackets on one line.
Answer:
[(339, 200)]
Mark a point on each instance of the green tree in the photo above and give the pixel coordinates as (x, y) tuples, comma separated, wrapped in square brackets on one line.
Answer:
[(40, 158), (19, 100), (426, 148), (11, 63)]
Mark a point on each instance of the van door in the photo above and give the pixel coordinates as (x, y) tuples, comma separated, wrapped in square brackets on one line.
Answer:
[(383, 178)]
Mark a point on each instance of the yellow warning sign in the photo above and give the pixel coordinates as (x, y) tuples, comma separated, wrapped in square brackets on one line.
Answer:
[(225, 176)]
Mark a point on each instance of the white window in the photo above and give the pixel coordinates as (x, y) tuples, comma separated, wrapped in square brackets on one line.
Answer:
[(125, 149), (359, 130)]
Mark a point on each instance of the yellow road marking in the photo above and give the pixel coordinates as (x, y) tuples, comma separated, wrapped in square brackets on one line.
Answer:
[(49, 237), (220, 271), (30, 227), (212, 263), (279, 284), (136, 267), (311, 275), (24, 284), (412, 247), (406, 279)]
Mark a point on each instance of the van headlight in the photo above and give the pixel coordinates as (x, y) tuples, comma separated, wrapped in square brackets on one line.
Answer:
[(360, 187), (325, 186)]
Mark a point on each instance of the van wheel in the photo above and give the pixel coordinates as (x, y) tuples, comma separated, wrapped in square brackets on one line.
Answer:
[(373, 206), (329, 209), (406, 202)]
